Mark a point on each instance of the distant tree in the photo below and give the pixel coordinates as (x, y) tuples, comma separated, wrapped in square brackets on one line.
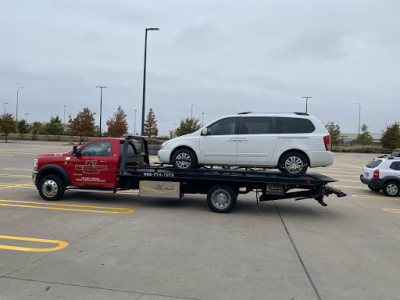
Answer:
[(83, 124), (23, 127), (7, 124), (391, 136), (117, 125), (364, 139), (37, 127), (334, 132), (188, 125), (150, 126), (55, 126)]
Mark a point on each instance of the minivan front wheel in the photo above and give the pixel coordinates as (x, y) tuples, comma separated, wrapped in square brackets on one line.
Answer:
[(293, 162), (184, 159)]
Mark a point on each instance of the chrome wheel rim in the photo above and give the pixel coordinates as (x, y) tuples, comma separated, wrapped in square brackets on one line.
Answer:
[(183, 160), (294, 164), (392, 189), (50, 188), (221, 199)]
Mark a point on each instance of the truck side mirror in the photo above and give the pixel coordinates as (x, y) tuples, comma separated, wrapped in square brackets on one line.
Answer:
[(204, 131), (75, 150)]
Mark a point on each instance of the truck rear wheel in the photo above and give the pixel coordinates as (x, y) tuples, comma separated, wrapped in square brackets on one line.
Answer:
[(51, 188), (221, 198)]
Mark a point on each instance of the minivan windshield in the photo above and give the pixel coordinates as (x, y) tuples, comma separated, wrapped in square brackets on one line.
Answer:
[(374, 163)]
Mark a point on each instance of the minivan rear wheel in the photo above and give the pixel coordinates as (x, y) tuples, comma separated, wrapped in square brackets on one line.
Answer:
[(293, 162)]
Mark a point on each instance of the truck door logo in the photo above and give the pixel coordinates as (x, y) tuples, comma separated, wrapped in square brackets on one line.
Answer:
[(90, 167)]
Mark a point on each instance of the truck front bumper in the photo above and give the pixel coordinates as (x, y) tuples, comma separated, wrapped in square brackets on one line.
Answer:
[(34, 176)]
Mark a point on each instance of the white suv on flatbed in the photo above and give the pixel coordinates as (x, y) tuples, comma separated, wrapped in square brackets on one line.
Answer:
[(291, 142), (383, 173)]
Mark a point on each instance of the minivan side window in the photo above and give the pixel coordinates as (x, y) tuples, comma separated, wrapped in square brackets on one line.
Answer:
[(293, 125), (225, 126), (257, 125)]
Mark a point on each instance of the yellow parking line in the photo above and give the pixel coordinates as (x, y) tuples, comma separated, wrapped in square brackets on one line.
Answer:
[(393, 210), (61, 244), (14, 175), (14, 169), (376, 197), (348, 186), (109, 211), (22, 185)]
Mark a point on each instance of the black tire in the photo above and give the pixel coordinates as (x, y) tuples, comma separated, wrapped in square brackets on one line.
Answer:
[(293, 163), (373, 189), (51, 188), (221, 198), (391, 189), (184, 159)]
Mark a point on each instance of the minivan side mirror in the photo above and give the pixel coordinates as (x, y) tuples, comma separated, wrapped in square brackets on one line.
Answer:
[(204, 131), (75, 150)]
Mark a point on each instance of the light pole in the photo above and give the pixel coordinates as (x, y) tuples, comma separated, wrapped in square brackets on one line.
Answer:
[(26, 118), (307, 97), (202, 119), (101, 87), (16, 112), (191, 111), (5, 107), (64, 119), (134, 124), (359, 117), (144, 75)]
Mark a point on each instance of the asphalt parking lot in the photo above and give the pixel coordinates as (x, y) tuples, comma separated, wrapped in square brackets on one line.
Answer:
[(99, 245)]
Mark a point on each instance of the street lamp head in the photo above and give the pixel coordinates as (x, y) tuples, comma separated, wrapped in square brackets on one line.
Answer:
[(153, 28)]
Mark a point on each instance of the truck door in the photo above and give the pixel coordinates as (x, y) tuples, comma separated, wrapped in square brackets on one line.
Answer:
[(94, 166)]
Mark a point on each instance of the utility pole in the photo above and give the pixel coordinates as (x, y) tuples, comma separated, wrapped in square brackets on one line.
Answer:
[(101, 87)]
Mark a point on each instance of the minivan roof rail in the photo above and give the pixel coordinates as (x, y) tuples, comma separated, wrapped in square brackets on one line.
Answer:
[(301, 113), (245, 113)]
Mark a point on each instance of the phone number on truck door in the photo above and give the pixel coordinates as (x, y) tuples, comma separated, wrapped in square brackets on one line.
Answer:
[(149, 174)]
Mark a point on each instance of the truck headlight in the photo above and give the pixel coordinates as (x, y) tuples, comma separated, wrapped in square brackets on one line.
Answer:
[(35, 164)]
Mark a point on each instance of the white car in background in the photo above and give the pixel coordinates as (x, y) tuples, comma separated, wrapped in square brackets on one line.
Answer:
[(383, 173), (291, 142)]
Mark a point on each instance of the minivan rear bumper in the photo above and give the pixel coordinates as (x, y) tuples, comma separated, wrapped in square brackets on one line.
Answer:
[(320, 158)]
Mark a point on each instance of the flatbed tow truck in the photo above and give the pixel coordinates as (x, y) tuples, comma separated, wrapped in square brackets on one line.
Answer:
[(123, 164)]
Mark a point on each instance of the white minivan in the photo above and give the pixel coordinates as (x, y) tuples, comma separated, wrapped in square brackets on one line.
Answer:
[(291, 142)]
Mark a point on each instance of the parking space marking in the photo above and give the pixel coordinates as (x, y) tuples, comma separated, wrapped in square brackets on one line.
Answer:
[(22, 185), (393, 210), (15, 175), (376, 197), (14, 169), (110, 210), (349, 186), (61, 244)]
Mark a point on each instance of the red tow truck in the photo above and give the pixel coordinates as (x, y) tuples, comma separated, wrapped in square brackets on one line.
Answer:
[(123, 163)]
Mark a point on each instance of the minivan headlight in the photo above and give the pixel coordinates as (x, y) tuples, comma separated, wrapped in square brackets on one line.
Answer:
[(163, 145)]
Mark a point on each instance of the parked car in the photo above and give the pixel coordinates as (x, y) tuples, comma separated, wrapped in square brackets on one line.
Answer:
[(383, 173), (291, 142)]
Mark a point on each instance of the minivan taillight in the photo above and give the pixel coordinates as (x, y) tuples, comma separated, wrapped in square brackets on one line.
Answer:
[(327, 142), (376, 174)]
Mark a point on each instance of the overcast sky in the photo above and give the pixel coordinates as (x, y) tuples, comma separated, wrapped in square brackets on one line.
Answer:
[(210, 56)]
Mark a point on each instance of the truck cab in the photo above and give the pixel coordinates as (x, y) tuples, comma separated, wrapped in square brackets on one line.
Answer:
[(92, 165)]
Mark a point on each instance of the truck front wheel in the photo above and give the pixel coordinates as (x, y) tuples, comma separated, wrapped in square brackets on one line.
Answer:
[(51, 188), (221, 198)]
